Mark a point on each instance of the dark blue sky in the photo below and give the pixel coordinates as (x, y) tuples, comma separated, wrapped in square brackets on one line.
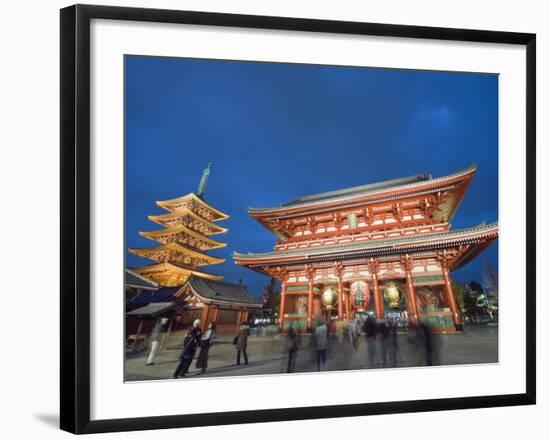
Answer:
[(277, 131)]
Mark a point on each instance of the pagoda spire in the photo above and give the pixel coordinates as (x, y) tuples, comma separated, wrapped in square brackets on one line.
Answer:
[(183, 240), (204, 180)]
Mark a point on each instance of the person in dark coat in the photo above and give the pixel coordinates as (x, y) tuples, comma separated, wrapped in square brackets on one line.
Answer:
[(241, 342), (390, 337), (370, 332), (381, 328), (321, 344), (206, 341), (429, 341), (190, 344), (292, 347)]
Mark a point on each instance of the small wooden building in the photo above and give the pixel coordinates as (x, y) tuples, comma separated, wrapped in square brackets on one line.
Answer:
[(226, 304)]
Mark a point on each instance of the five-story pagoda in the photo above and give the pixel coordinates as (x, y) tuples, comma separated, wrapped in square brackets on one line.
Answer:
[(183, 240)]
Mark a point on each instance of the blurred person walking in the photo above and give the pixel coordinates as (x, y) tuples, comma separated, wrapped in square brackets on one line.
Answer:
[(391, 342), (424, 340), (381, 341), (292, 348), (321, 344), (340, 331), (351, 330), (332, 329), (370, 332), (159, 331), (241, 342)]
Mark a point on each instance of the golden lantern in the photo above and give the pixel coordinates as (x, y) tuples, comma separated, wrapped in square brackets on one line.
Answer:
[(329, 296), (392, 295)]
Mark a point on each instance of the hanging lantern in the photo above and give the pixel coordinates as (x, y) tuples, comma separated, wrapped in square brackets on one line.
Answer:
[(359, 292), (392, 295), (329, 296)]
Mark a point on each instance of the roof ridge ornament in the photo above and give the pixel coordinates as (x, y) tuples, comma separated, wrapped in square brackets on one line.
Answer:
[(204, 181)]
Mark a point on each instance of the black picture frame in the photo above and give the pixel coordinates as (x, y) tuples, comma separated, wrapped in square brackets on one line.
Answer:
[(75, 217)]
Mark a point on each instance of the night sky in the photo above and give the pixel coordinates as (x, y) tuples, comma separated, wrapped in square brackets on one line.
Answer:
[(277, 131)]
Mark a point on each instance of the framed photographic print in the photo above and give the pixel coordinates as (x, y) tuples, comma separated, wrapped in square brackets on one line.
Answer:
[(257, 207)]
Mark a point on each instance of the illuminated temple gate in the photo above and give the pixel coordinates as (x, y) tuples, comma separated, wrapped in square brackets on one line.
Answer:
[(385, 247)]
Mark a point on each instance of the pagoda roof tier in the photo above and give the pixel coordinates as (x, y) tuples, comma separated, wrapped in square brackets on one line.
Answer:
[(187, 218), (176, 233), (481, 236), (194, 203), (454, 185), (134, 280), (170, 274), (175, 249)]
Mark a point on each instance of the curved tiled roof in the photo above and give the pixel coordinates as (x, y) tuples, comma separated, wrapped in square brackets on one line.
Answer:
[(176, 246), (167, 204), (222, 291), (381, 245), (359, 190), (153, 309), (368, 189), (161, 295)]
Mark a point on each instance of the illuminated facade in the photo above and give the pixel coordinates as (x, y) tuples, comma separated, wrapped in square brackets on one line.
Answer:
[(385, 248)]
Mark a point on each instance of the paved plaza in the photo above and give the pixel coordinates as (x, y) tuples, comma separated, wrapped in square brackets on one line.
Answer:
[(267, 354)]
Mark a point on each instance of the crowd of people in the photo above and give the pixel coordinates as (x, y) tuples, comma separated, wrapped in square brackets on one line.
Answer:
[(381, 338)]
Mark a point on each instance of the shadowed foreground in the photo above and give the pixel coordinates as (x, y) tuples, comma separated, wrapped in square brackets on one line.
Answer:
[(268, 355)]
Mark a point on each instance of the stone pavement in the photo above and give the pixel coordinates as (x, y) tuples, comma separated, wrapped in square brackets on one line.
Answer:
[(267, 355)]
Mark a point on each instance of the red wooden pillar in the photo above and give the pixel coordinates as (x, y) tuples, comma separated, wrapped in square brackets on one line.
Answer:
[(204, 317), (339, 268), (309, 272), (340, 297), (348, 305), (449, 293), (378, 303), (282, 305), (413, 307), (215, 312)]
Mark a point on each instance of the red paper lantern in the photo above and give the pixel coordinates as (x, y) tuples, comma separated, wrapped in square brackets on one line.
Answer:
[(359, 292)]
